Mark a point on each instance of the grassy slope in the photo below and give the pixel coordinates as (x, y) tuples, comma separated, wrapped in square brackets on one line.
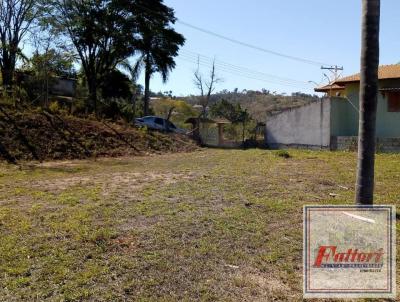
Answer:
[(42, 136), (209, 225)]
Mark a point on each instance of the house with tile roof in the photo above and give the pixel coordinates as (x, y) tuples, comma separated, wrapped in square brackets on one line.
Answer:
[(333, 122)]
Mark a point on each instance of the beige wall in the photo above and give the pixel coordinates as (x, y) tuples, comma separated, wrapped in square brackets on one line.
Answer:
[(307, 125)]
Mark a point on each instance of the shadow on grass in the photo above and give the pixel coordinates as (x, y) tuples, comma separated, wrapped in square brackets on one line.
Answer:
[(57, 169)]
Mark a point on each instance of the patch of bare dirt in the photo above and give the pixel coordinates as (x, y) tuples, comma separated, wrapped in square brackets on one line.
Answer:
[(262, 287), (110, 183)]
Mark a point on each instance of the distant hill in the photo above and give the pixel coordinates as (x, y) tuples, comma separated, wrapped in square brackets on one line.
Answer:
[(260, 103)]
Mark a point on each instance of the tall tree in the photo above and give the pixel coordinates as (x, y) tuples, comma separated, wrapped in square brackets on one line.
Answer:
[(205, 86), (159, 43), (368, 101), (102, 32), (16, 18)]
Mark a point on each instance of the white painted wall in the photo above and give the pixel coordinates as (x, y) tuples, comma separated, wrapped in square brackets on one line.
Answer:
[(307, 125)]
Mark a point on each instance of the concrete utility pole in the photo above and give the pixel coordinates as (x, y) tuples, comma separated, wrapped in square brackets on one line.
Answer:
[(334, 70)]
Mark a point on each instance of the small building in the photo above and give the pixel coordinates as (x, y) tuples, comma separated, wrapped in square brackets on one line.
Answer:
[(332, 122), (62, 87), (210, 132)]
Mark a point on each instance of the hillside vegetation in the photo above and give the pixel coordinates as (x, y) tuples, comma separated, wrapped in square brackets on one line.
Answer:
[(260, 103), (39, 135)]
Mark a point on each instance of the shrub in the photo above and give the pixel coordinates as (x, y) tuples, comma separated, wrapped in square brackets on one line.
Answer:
[(54, 107), (282, 153)]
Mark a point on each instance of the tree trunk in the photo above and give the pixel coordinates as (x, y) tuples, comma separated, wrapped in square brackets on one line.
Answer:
[(47, 91), (146, 89), (7, 76), (243, 131), (170, 113), (368, 101), (8, 69), (92, 87), (134, 109)]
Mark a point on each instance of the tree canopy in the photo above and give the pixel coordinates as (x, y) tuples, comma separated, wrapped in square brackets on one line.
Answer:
[(158, 43), (232, 112), (102, 32), (16, 18)]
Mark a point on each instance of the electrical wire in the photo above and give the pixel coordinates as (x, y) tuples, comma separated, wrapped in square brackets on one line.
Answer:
[(245, 70), (238, 73), (235, 41), (238, 42)]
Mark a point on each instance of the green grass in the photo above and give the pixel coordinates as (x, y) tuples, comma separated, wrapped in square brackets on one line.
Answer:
[(197, 226)]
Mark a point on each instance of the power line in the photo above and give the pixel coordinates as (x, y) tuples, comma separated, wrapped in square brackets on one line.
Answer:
[(240, 69), (307, 61), (240, 74), (237, 72), (235, 41)]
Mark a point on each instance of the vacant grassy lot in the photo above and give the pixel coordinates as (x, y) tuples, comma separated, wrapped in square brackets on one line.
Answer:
[(209, 225)]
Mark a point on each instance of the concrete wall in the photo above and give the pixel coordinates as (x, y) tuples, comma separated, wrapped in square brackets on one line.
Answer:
[(344, 117), (307, 126), (349, 143), (345, 143), (344, 120)]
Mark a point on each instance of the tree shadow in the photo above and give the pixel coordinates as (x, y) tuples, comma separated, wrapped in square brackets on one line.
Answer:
[(72, 139), (6, 155), (60, 127), (20, 136), (120, 136)]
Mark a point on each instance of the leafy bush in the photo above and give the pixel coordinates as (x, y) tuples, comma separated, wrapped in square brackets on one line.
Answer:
[(181, 110), (282, 153), (54, 107)]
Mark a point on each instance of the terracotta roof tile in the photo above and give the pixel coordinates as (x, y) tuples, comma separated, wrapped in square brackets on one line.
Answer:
[(329, 87), (384, 72)]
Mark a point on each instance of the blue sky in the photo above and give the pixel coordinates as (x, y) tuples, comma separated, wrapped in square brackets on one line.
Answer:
[(320, 30)]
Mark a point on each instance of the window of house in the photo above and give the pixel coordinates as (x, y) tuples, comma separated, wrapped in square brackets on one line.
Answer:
[(393, 101)]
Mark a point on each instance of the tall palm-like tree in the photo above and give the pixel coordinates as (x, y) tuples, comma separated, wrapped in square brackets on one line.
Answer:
[(368, 101), (159, 45)]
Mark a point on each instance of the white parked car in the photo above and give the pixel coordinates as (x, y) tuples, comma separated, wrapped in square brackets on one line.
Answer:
[(158, 123)]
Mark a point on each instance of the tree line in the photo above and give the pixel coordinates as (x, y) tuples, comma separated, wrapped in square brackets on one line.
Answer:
[(100, 36)]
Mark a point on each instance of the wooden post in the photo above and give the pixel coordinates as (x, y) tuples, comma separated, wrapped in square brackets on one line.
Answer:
[(220, 135)]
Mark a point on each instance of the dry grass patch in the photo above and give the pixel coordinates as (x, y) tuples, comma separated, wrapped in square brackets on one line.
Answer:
[(214, 225)]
